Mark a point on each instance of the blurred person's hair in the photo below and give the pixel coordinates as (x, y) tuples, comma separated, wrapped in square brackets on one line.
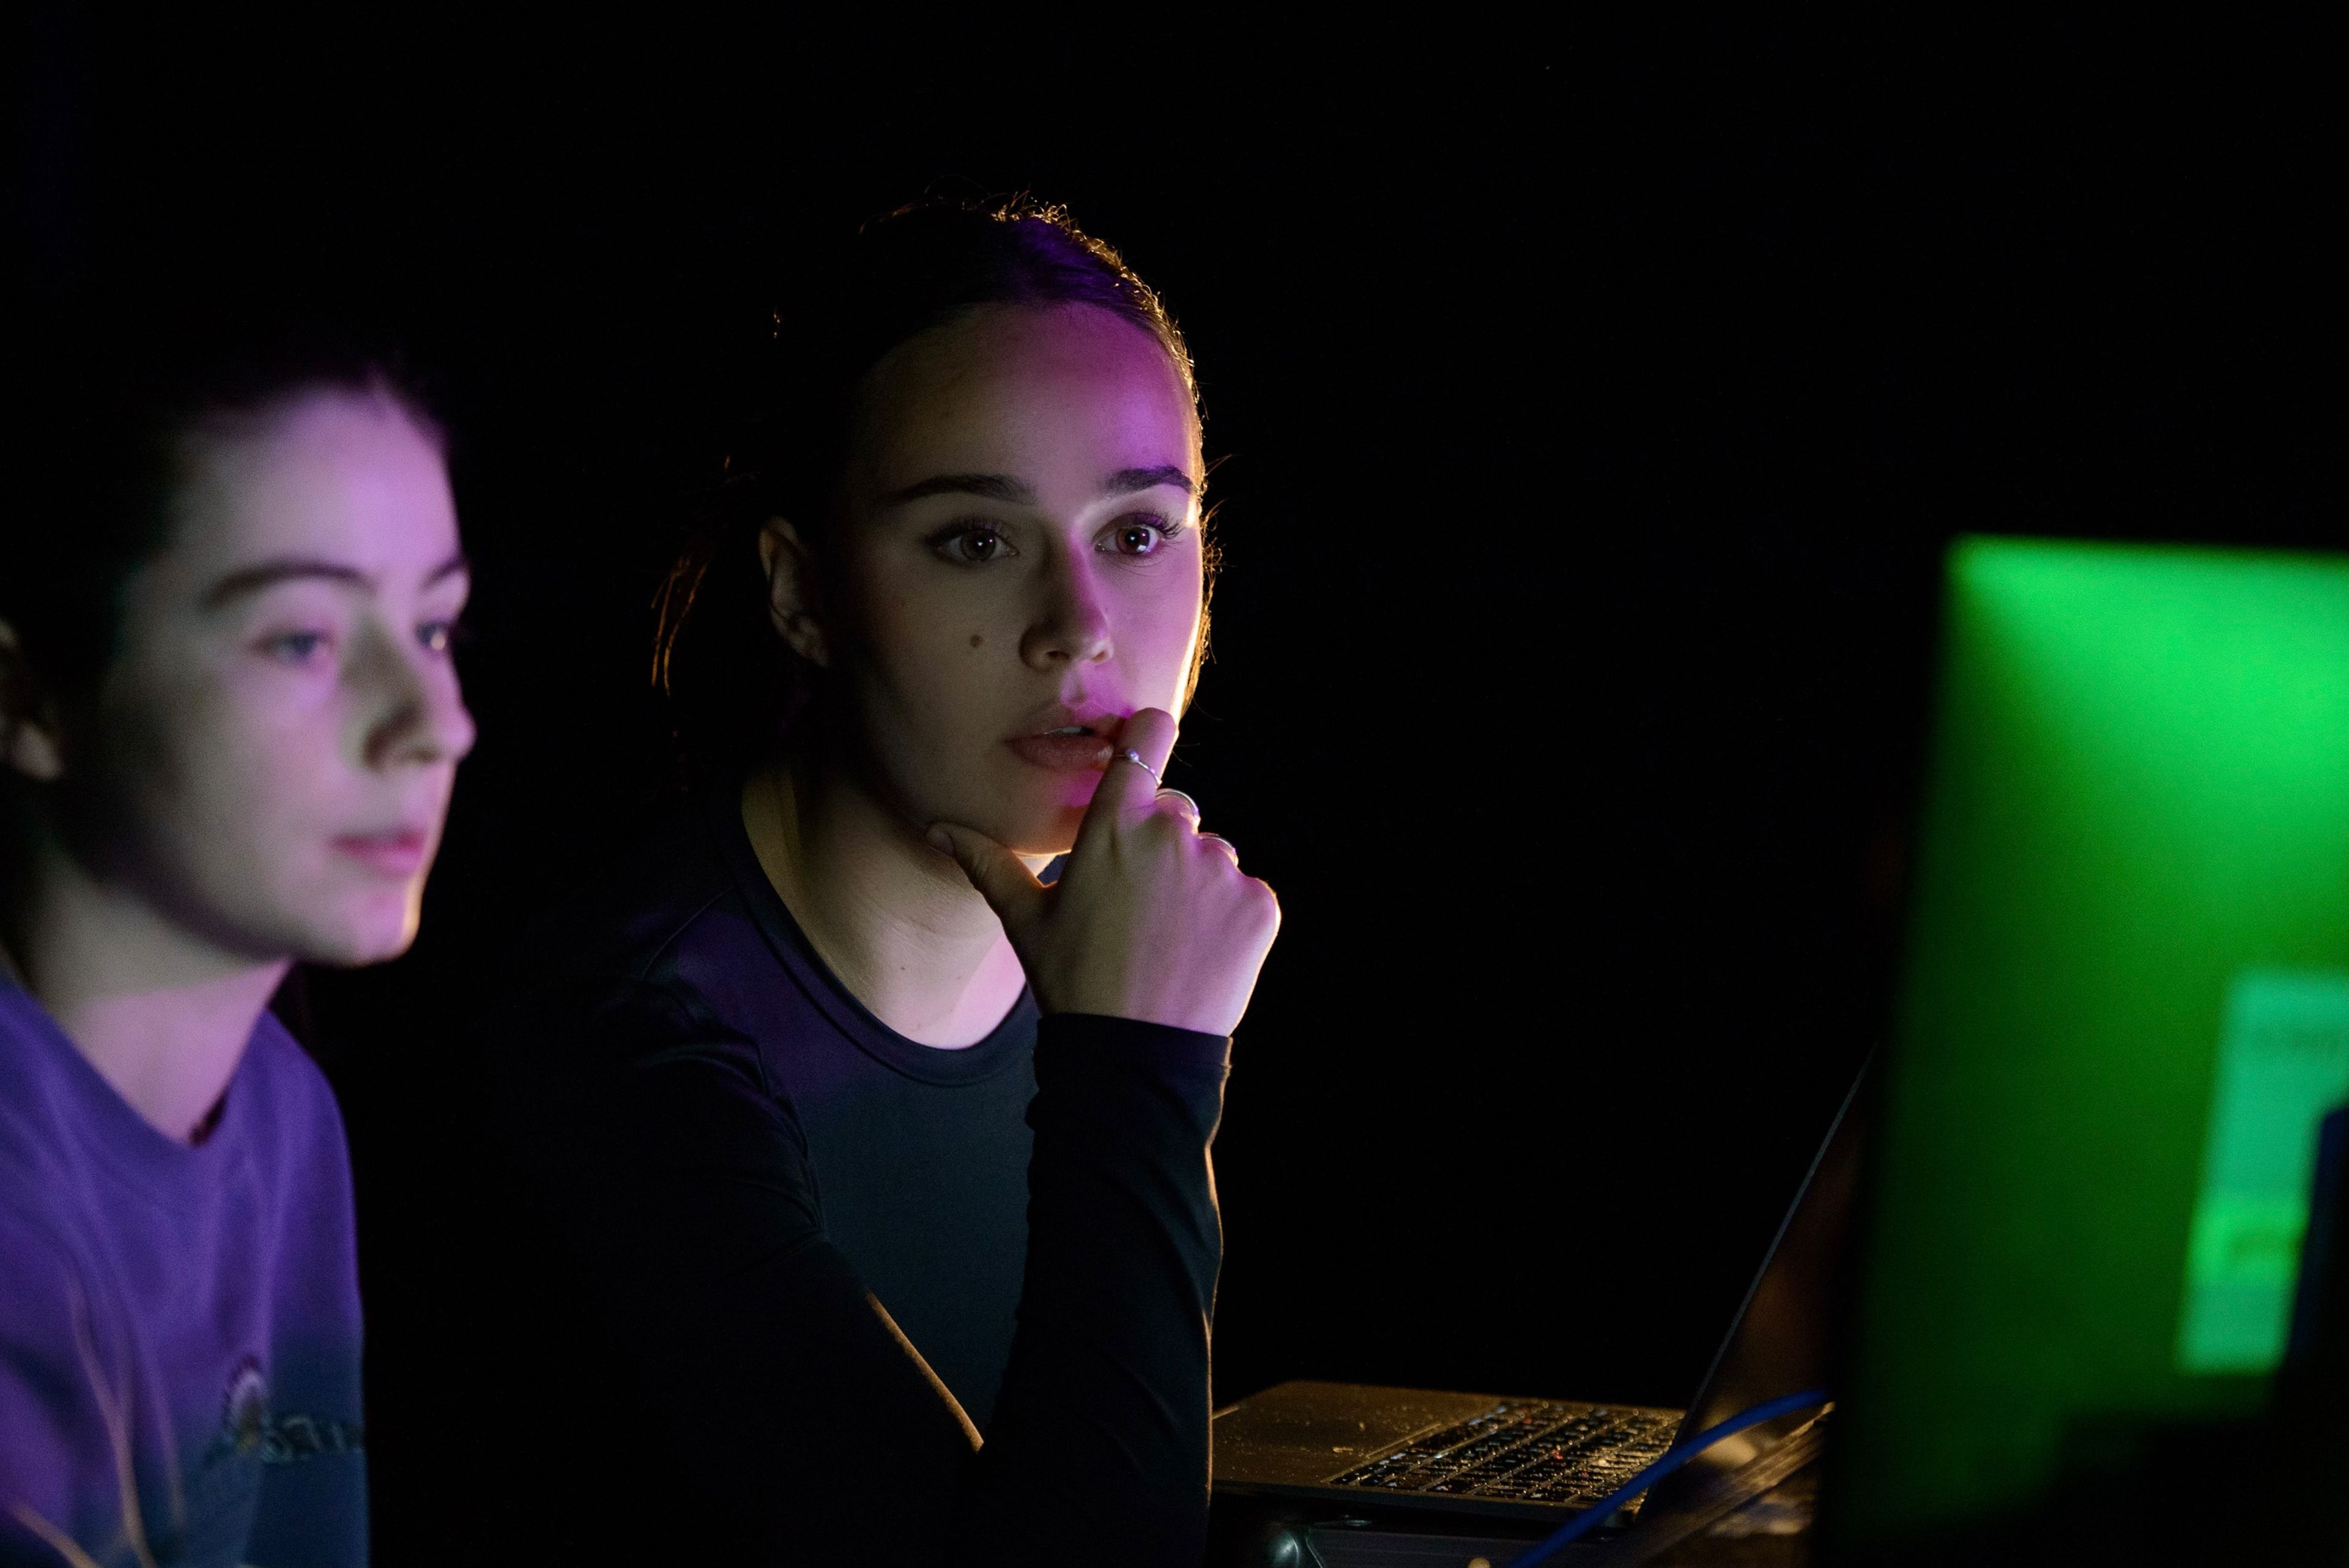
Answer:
[(113, 406)]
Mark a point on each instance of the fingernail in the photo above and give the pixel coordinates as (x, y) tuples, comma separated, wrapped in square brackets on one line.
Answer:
[(940, 841)]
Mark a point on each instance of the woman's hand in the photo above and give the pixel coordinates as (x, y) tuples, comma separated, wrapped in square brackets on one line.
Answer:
[(1151, 919)]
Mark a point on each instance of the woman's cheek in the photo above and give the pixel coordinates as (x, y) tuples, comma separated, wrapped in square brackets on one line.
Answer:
[(1166, 633), (277, 751), (916, 636)]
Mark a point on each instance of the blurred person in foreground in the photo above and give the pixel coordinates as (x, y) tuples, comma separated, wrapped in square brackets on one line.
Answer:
[(228, 727)]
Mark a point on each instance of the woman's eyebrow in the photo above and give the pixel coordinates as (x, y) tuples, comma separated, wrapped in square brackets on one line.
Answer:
[(1126, 481), (993, 486), (269, 574), (1019, 492)]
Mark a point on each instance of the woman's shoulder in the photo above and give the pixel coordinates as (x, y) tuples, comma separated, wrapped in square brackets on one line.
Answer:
[(36, 1131), (615, 916), (605, 976), (613, 928), (624, 1071)]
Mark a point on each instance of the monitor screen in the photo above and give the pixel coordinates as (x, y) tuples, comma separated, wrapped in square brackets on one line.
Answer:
[(2125, 1012)]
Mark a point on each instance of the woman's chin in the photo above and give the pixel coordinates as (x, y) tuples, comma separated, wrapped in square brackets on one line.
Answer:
[(359, 931), (1046, 830)]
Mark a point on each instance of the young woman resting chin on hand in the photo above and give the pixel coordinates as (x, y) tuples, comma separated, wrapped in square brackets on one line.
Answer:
[(228, 727), (879, 1167)]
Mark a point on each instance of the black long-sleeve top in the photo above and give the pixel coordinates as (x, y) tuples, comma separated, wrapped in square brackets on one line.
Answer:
[(731, 1161)]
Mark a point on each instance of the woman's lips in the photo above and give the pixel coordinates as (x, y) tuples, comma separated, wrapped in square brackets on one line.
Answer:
[(399, 854), (1063, 752)]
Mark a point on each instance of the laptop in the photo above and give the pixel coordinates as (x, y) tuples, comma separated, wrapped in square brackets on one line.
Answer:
[(1352, 1449), (2125, 1019)]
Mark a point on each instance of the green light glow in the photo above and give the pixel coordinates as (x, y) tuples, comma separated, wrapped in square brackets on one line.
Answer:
[(2136, 846)]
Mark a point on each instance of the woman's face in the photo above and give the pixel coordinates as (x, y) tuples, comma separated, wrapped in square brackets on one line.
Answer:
[(1023, 565), (277, 736)]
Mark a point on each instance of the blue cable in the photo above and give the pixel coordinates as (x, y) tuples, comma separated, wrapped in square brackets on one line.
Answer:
[(1597, 1513)]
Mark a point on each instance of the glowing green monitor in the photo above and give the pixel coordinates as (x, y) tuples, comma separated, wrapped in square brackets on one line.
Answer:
[(2126, 1009)]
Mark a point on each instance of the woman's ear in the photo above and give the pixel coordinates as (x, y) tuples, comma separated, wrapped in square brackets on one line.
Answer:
[(790, 591), (28, 734)]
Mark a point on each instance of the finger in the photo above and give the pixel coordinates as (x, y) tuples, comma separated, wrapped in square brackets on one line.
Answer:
[(1220, 842), (1177, 804), (1001, 878), (1127, 789)]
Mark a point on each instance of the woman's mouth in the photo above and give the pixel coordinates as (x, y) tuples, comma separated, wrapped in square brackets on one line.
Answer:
[(399, 853), (1064, 748)]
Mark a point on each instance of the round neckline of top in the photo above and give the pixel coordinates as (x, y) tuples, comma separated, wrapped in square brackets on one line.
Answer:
[(109, 1127), (941, 1064)]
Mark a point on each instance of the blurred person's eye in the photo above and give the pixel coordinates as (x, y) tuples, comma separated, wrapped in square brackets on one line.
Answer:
[(300, 648)]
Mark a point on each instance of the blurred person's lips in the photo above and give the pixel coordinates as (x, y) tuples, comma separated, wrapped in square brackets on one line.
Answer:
[(397, 852)]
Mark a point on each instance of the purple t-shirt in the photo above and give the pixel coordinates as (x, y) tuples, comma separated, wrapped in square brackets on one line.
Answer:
[(195, 1309)]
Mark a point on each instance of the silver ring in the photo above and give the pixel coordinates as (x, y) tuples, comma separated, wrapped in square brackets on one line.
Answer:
[(1131, 755), (1183, 795)]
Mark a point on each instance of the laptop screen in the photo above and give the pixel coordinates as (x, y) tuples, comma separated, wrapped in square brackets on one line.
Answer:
[(2126, 1009), (1781, 1341)]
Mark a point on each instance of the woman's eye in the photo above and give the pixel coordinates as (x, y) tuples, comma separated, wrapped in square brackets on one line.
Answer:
[(295, 648), (974, 546), (1135, 536)]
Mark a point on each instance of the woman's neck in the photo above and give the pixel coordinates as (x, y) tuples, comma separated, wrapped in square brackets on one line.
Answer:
[(897, 922), (162, 1014)]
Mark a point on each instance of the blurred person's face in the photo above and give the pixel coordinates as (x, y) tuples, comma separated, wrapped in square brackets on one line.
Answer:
[(272, 750), (1021, 566)]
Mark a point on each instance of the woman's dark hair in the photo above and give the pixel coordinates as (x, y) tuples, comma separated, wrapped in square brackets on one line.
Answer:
[(733, 684), (109, 400)]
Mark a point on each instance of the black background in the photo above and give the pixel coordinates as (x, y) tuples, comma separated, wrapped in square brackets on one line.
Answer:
[(1594, 409)]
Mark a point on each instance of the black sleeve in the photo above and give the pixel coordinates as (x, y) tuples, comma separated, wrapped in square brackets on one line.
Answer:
[(810, 1431)]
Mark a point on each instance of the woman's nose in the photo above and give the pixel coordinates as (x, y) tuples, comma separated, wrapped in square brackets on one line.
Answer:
[(1072, 623), (447, 732), (413, 712)]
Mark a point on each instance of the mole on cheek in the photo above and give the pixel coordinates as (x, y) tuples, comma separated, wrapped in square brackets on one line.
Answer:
[(976, 639)]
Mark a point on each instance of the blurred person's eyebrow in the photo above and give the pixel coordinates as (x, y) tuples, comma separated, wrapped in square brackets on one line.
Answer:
[(269, 574)]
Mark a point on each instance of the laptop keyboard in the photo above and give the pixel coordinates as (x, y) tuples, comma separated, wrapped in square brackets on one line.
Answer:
[(1525, 1451)]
